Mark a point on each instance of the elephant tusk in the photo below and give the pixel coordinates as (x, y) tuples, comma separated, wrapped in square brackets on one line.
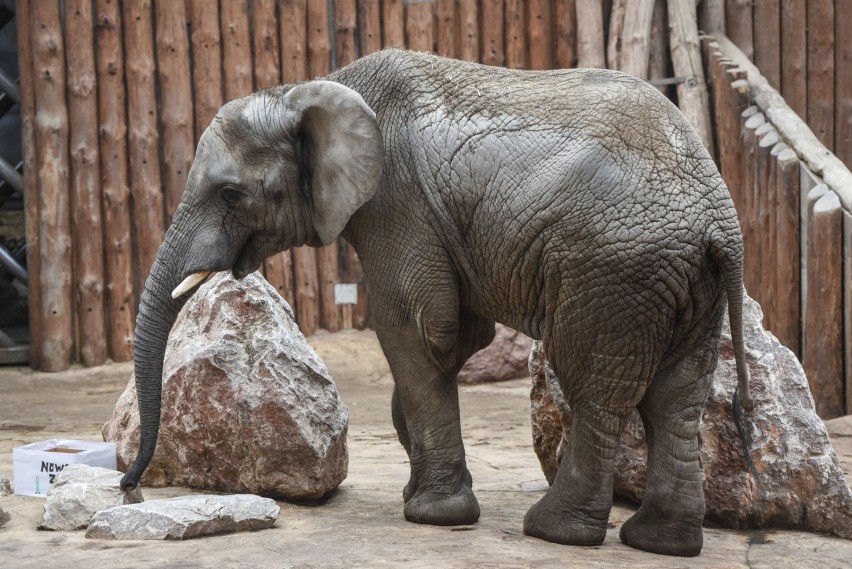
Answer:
[(190, 282)]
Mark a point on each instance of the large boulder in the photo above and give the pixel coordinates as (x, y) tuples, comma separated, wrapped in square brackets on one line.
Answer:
[(505, 358), (78, 492), (799, 483), (248, 406), (184, 517)]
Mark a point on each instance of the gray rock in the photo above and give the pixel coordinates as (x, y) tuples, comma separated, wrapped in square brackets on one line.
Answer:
[(184, 517), (5, 486), (505, 358), (78, 492), (2, 517), (248, 406), (799, 482)]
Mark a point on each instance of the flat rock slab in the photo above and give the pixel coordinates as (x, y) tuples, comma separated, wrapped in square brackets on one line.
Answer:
[(185, 517), (79, 491)]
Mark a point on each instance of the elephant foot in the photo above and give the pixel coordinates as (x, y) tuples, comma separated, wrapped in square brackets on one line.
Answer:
[(560, 525), (651, 532), (460, 508)]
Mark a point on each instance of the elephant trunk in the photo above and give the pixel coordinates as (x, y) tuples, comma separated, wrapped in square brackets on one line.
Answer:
[(157, 314)]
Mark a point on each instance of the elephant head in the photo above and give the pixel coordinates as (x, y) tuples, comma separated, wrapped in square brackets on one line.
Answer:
[(277, 169)]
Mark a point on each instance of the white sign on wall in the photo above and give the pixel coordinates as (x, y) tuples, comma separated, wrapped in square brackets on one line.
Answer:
[(345, 293)]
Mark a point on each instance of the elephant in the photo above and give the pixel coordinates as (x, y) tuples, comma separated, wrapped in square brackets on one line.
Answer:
[(576, 206)]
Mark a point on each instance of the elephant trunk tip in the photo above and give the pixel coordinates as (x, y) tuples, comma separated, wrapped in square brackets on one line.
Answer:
[(131, 479)]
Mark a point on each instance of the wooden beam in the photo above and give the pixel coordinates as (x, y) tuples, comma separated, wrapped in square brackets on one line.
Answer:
[(370, 26), (794, 49), (345, 31), (419, 32), (590, 34), (565, 26), (787, 325), (767, 39), (206, 63), (393, 23), (294, 59), (539, 34), (236, 49), (820, 98), (493, 51), (711, 16), (843, 85), (267, 51), (738, 25), (516, 45), (468, 41)]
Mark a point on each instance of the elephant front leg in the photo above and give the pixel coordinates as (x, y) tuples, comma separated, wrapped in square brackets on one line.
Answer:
[(425, 411)]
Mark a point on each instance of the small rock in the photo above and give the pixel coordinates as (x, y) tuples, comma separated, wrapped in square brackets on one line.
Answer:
[(78, 492), (799, 485), (5, 486), (2, 517), (185, 517), (247, 405), (505, 358)]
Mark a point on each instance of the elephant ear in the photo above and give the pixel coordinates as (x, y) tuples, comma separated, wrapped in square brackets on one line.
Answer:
[(342, 148)]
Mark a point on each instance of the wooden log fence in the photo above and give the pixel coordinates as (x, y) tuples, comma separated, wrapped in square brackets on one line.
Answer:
[(794, 199)]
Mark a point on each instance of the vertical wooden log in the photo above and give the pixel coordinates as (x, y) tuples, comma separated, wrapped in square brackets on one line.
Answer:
[(206, 63), (468, 30), (539, 34), (590, 34), (319, 53), (236, 49), (843, 85), (31, 191), (294, 60), (616, 32), (516, 45), (143, 137), (686, 59), (493, 52), (175, 99), (747, 220), (767, 40), (446, 21), (659, 58), (787, 325), (345, 30), (738, 25), (820, 97), (711, 16), (267, 52), (565, 22), (636, 38), (732, 157), (418, 26), (847, 313), (86, 220), (823, 349), (393, 24), (51, 130), (767, 137), (370, 26), (794, 48)]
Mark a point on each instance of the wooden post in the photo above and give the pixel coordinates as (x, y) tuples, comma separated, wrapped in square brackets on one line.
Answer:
[(446, 22), (86, 221), (686, 58), (143, 138), (565, 22), (794, 49), (767, 40), (766, 138), (748, 209), (319, 43), (175, 99), (820, 97), (635, 38), (345, 30), (51, 129), (393, 24), (206, 63), (823, 349), (659, 58), (418, 26), (370, 26), (31, 191), (590, 34), (236, 49), (847, 313), (540, 36), (616, 32), (843, 85), (738, 25), (468, 30), (516, 45), (294, 62), (711, 16), (267, 52), (493, 52), (787, 325)]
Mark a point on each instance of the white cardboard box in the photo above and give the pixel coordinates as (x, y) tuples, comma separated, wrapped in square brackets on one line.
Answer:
[(36, 465)]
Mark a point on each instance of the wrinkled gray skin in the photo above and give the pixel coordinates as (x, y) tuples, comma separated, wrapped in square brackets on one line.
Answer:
[(577, 206)]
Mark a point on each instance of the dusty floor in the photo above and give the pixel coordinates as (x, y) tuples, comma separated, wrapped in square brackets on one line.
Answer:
[(362, 524)]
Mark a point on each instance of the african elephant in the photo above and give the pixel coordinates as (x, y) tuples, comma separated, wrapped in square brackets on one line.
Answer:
[(577, 206)]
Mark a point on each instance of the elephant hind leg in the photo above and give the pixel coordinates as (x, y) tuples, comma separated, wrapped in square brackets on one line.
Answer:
[(669, 520)]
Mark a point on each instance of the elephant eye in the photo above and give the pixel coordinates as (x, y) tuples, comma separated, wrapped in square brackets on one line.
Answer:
[(230, 195)]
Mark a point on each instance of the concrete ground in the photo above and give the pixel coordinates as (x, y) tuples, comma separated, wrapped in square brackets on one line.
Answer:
[(361, 525)]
